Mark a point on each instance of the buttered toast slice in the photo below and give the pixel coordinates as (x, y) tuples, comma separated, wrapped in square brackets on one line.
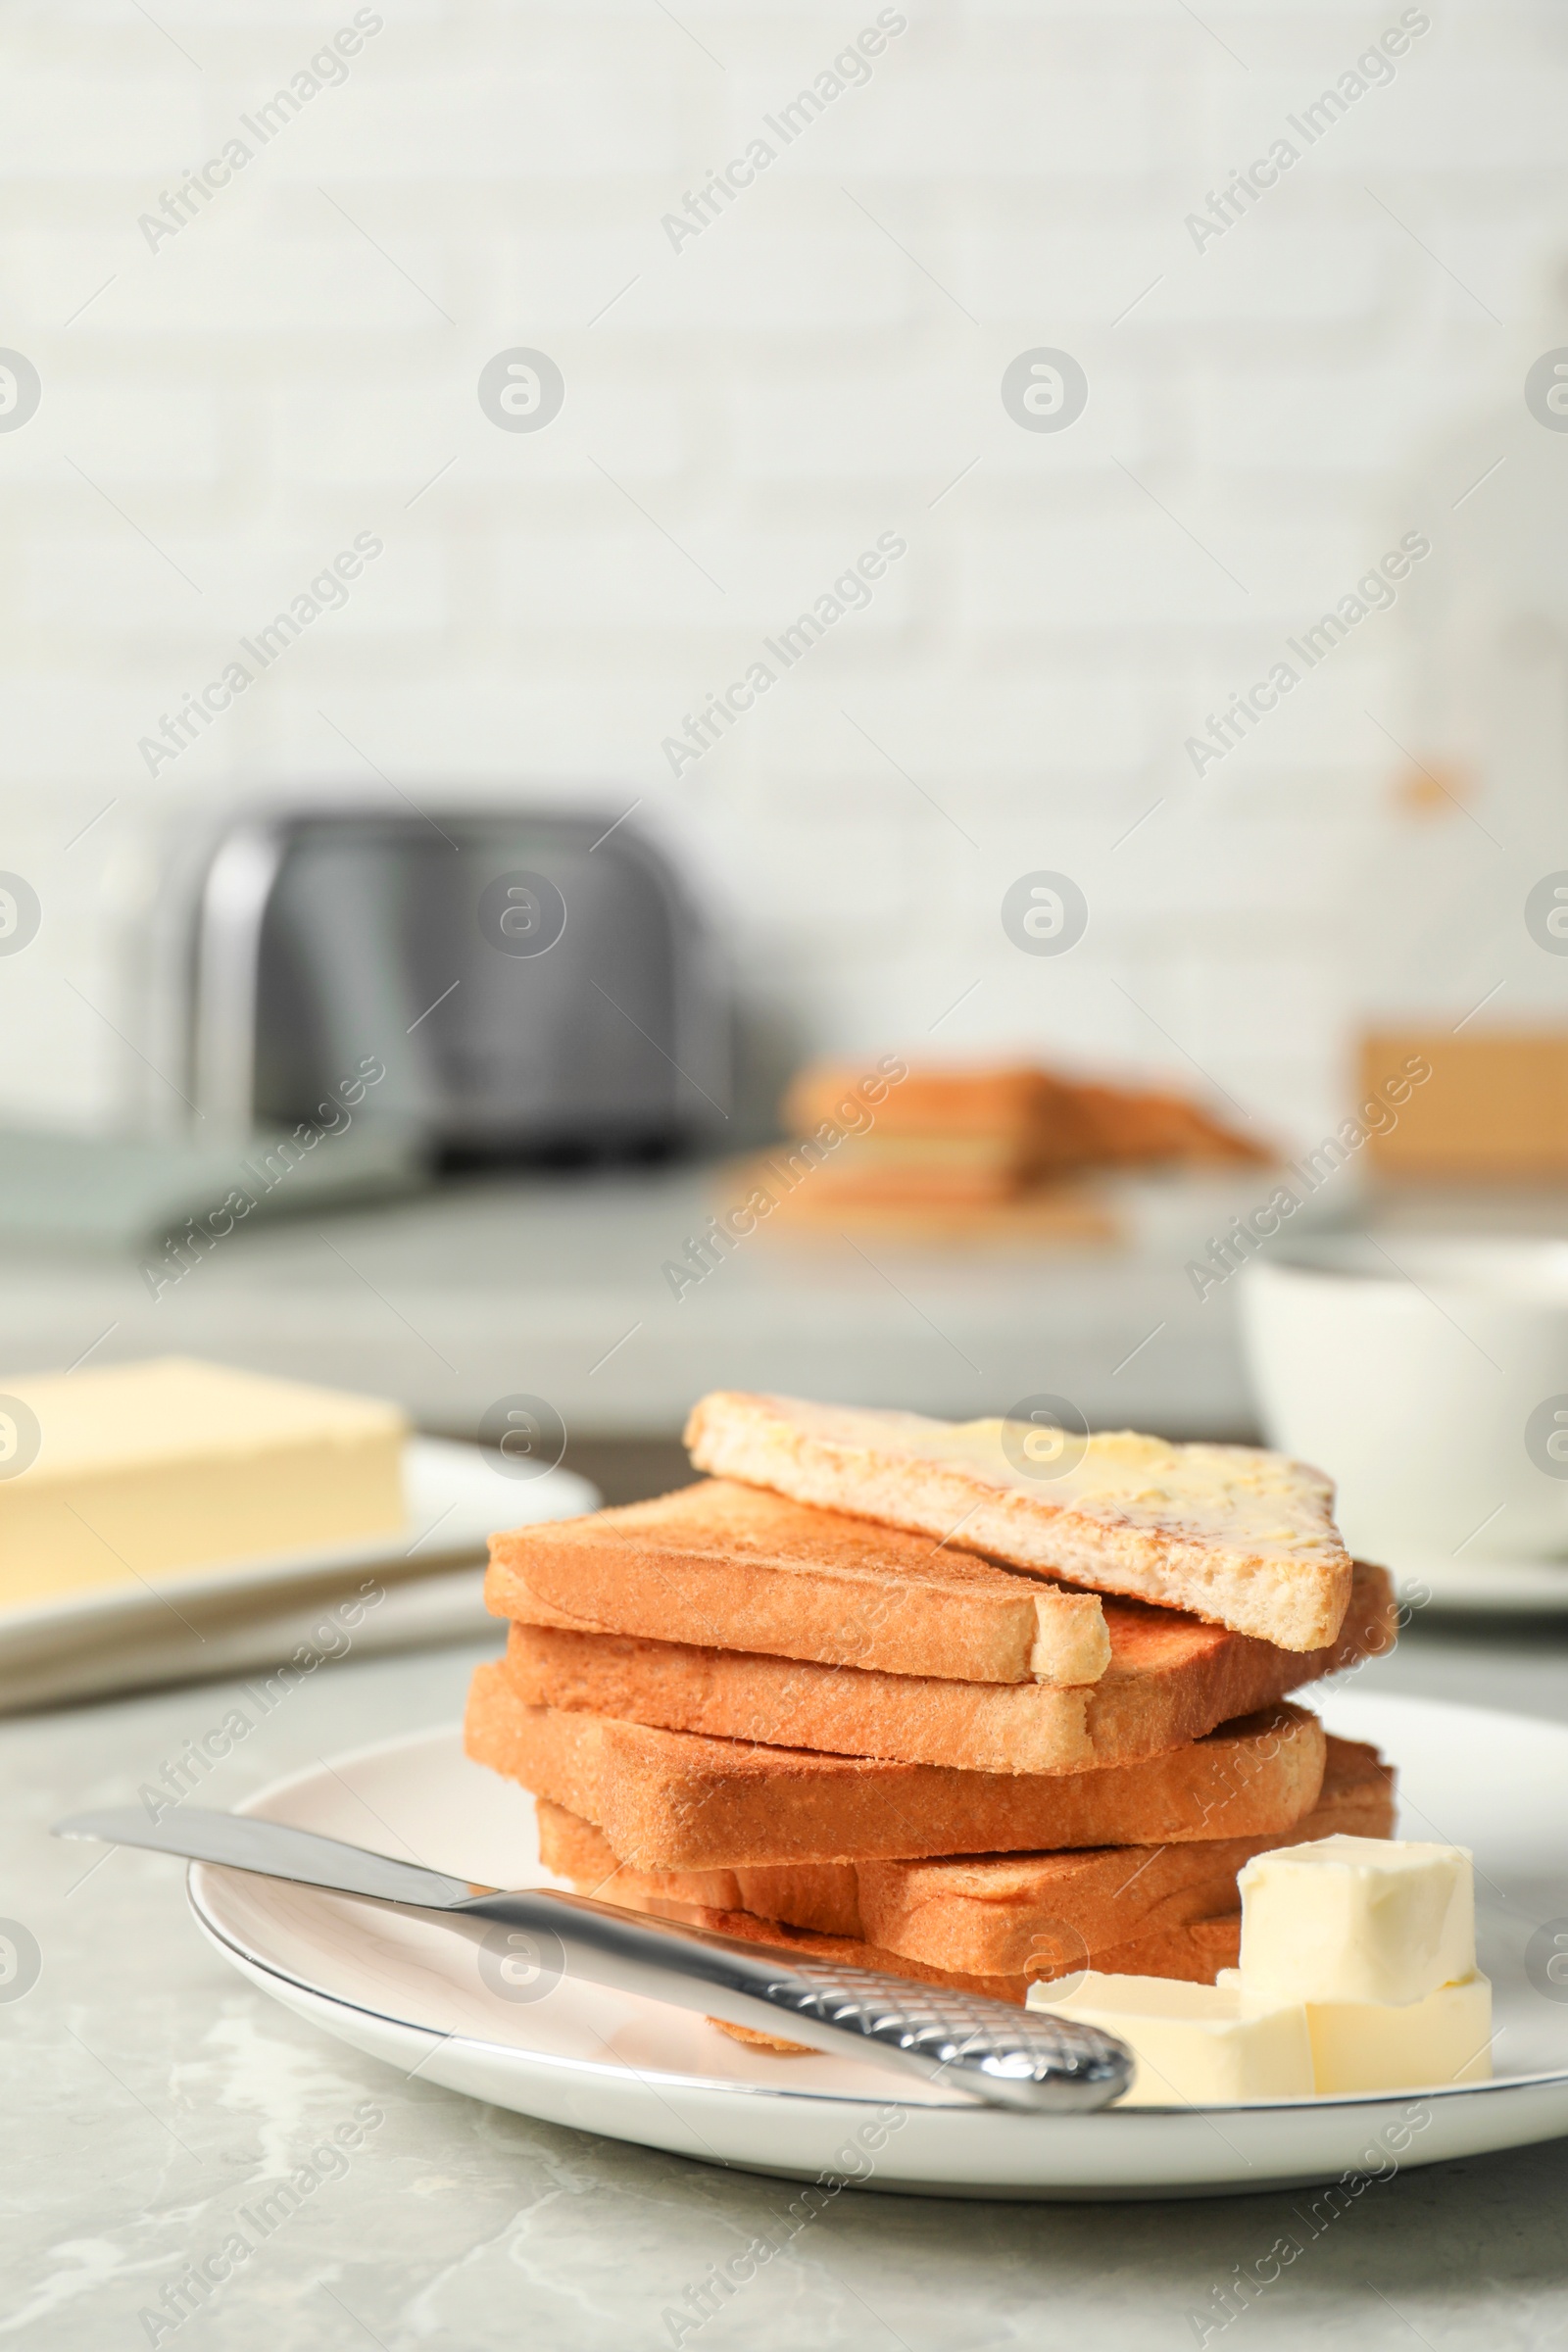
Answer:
[(734, 1567), (1241, 1537)]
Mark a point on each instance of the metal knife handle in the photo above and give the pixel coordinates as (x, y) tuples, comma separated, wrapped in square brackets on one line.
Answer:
[(1010, 2057)]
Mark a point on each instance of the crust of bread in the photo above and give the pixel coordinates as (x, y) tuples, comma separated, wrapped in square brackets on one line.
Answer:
[(1171, 1678), (762, 2041), (734, 1567), (987, 1915), (679, 1800), (852, 1461)]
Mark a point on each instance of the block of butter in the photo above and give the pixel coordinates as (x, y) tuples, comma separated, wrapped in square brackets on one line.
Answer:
[(108, 1476), (1383, 2045), (1202, 2045), (1356, 1919)]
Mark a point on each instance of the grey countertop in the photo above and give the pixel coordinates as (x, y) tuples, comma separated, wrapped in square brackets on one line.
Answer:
[(150, 2090), (555, 1287)]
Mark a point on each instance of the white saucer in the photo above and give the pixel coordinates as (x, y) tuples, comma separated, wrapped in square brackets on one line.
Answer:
[(1481, 1588), (235, 1615), (407, 1990)]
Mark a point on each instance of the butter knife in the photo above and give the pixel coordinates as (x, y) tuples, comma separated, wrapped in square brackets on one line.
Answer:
[(1026, 2059)]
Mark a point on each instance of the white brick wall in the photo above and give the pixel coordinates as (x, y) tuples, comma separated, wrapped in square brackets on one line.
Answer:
[(820, 364)]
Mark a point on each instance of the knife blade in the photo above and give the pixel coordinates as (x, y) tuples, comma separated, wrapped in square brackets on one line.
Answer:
[(1024, 2059)]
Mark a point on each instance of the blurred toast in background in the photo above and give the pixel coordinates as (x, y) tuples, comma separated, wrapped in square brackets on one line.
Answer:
[(942, 1135), (990, 1133), (999, 1152)]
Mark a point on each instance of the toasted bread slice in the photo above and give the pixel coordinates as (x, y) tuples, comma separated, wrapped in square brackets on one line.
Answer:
[(1139, 1129), (1171, 1678), (990, 1915), (1012, 1099), (1046, 1914), (736, 1568), (671, 1800), (823, 1896), (1357, 1801), (1197, 1953), (1243, 1538)]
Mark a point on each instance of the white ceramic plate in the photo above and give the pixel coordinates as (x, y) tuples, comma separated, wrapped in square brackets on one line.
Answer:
[(1482, 1587), (409, 1990), (238, 1614)]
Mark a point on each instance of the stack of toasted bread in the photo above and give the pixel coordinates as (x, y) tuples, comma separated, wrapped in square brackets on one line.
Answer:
[(975, 1704), (990, 1133), (963, 1136), (955, 1152)]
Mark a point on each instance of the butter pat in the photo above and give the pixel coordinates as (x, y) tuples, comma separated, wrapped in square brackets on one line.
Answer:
[(1373, 2046), (1356, 1919), (1196, 2044), (134, 1470)]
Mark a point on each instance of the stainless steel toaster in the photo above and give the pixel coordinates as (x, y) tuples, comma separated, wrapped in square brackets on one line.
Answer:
[(526, 984)]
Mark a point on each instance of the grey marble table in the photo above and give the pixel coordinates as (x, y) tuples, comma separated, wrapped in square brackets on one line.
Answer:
[(150, 2093)]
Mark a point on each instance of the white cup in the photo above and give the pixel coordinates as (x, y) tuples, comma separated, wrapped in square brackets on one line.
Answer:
[(1428, 1378)]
